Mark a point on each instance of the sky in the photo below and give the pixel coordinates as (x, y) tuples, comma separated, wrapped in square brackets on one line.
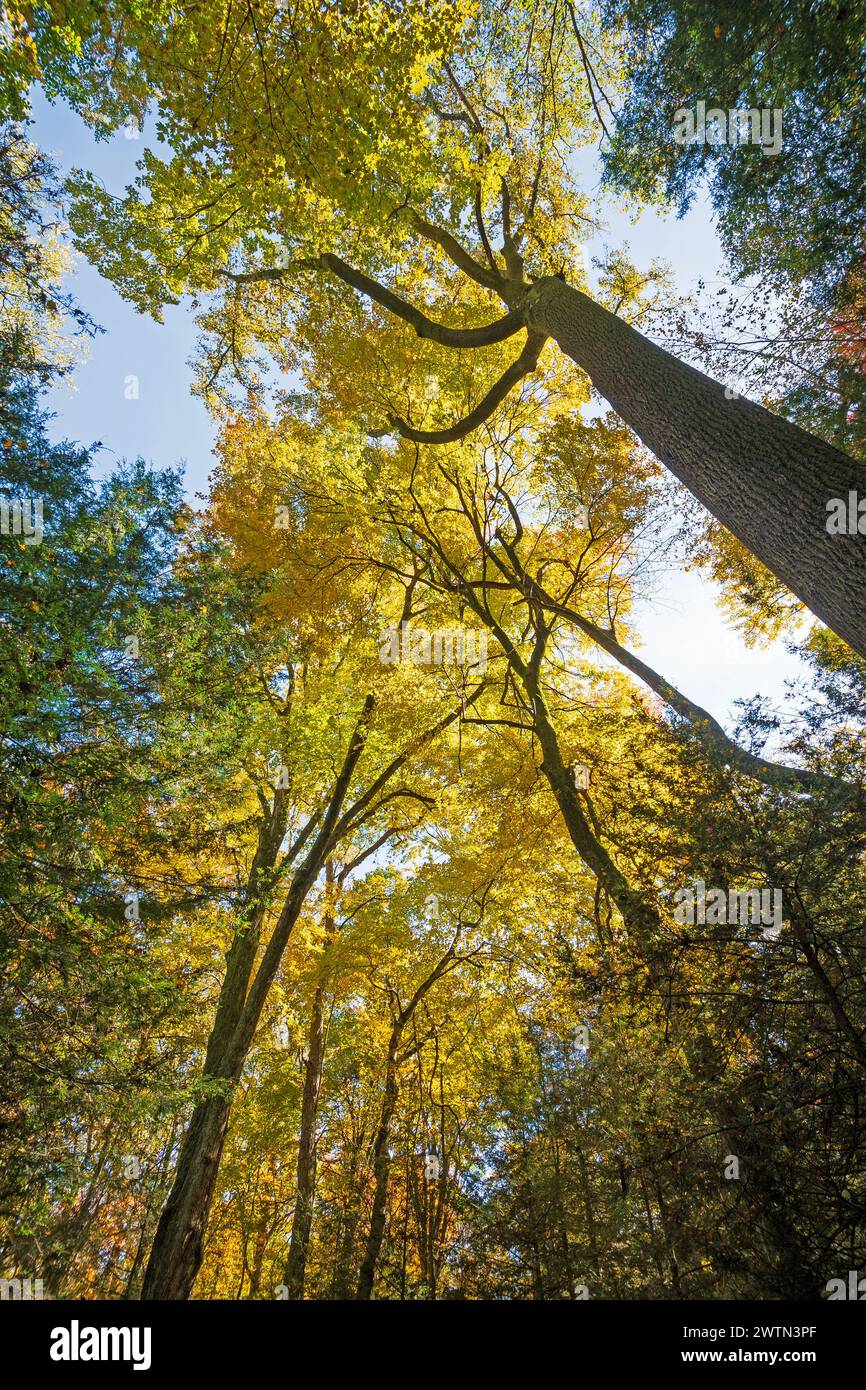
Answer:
[(684, 634)]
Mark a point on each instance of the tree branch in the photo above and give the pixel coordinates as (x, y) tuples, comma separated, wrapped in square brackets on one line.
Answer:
[(456, 253), (482, 232), (483, 336), (350, 817), (591, 80), (708, 730), (522, 366)]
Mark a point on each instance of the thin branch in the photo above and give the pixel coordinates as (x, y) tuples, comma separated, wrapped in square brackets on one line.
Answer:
[(513, 258), (482, 231), (350, 817), (591, 79)]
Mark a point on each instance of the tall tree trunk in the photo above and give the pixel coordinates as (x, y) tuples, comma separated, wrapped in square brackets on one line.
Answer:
[(296, 1265), (178, 1245), (381, 1170), (381, 1156), (763, 478)]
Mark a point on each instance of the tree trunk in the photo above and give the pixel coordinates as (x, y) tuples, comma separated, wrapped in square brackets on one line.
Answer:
[(706, 1064), (178, 1245), (381, 1170), (763, 478), (381, 1156), (296, 1265)]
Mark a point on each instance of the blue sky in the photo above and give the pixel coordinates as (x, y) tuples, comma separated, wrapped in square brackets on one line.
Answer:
[(166, 425), (684, 634)]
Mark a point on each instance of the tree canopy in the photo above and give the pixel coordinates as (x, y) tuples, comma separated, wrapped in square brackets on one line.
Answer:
[(378, 921)]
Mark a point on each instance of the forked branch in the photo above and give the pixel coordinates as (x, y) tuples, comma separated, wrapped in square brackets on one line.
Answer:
[(522, 366)]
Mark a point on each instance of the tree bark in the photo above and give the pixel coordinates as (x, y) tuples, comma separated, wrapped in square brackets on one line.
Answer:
[(763, 478), (176, 1252), (305, 1189)]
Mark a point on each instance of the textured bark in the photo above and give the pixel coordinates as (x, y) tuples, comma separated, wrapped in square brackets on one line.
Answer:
[(176, 1253), (763, 478), (178, 1246)]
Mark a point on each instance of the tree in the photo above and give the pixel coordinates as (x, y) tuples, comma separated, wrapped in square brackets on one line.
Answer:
[(365, 191), (792, 214), (402, 1016), (347, 829), (82, 566)]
